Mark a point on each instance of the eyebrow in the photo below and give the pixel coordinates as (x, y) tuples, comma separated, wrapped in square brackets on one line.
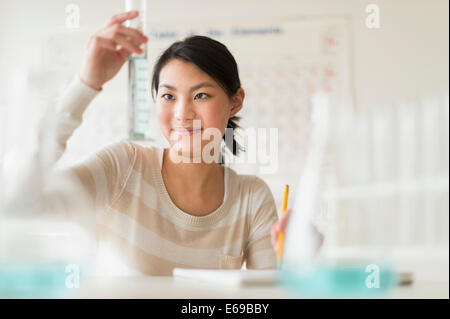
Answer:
[(195, 87)]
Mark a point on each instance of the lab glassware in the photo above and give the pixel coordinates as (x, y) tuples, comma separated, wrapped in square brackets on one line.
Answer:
[(138, 78)]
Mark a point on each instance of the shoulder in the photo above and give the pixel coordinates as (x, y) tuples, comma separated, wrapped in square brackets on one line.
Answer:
[(147, 157), (260, 186), (261, 210), (252, 184), (261, 194), (125, 157), (130, 149), (115, 158), (255, 190), (122, 150), (143, 149)]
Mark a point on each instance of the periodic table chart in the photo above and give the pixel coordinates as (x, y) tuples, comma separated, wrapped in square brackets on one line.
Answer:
[(281, 65)]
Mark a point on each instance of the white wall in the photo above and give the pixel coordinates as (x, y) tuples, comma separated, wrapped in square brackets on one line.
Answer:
[(406, 56)]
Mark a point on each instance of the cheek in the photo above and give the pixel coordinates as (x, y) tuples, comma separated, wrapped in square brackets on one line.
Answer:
[(164, 118), (215, 117)]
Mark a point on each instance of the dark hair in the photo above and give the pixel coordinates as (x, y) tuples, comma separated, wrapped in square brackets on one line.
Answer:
[(213, 58)]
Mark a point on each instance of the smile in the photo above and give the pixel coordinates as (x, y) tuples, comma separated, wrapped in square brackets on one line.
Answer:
[(186, 131)]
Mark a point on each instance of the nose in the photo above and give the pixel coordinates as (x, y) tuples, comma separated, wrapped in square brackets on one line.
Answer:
[(184, 111)]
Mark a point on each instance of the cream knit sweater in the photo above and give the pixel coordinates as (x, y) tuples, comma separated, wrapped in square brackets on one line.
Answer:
[(136, 216)]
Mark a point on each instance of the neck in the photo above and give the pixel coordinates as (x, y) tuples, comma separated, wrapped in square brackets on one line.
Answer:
[(198, 178)]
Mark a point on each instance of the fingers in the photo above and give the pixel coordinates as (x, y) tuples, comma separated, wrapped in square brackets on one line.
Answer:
[(279, 226), (112, 40), (274, 235), (104, 43), (275, 232), (285, 219), (288, 212), (119, 36), (127, 44), (133, 34), (124, 54), (122, 17), (127, 38)]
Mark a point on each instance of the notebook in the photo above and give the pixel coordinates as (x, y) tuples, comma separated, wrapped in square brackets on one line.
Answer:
[(229, 276)]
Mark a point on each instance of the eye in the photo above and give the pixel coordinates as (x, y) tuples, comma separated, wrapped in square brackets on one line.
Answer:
[(163, 96), (204, 94)]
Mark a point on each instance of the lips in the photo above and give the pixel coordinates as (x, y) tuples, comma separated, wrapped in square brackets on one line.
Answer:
[(183, 129), (186, 130)]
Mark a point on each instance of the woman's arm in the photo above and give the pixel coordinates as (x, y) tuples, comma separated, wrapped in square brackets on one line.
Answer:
[(106, 52), (102, 175), (259, 253), (69, 112), (99, 178)]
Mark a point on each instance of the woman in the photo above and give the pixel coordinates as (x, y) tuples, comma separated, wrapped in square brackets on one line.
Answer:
[(157, 212)]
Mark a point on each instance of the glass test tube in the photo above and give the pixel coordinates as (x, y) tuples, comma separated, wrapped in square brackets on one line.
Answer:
[(138, 78)]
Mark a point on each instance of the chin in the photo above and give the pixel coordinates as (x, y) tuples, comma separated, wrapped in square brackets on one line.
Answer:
[(186, 148)]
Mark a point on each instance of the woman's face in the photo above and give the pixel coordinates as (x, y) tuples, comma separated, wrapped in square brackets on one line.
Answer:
[(187, 94)]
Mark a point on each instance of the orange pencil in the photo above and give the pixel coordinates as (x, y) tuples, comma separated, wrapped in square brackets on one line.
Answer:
[(281, 234)]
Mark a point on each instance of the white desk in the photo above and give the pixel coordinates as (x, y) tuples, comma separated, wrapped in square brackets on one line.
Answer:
[(179, 288)]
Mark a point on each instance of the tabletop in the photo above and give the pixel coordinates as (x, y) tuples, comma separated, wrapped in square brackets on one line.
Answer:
[(182, 288)]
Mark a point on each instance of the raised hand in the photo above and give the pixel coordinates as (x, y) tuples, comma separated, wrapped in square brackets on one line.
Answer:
[(109, 48)]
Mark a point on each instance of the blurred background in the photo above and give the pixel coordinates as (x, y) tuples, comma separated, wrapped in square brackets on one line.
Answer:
[(386, 164)]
